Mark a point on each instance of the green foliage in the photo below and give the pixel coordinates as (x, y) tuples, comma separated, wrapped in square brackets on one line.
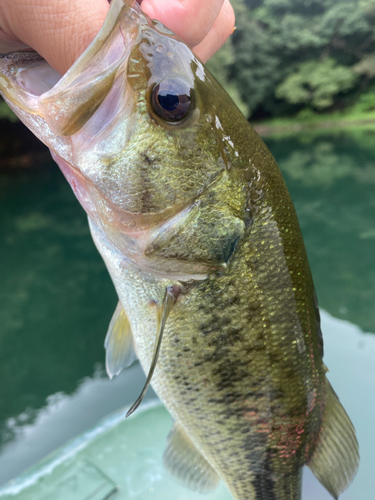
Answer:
[(331, 178), (6, 112), (307, 115), (291, 54), (365, 103), (366, 66), (219, 66), (255, 67), (316, 83)]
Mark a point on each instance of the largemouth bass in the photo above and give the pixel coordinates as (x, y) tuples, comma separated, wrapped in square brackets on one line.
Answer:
[(192, 217)]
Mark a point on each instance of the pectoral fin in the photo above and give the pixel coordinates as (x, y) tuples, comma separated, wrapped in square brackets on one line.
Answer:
[(170, 298), (119, 343), (336, 457), (183, 460)]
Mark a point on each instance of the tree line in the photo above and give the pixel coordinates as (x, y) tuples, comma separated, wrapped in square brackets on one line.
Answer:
[(291, 56)]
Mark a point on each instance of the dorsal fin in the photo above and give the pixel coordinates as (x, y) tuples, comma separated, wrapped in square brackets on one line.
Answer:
[(183, 460), (119, 343), (170, 298), (336, 457)]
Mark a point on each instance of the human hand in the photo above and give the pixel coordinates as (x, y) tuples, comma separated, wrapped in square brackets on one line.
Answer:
[(60, 30)]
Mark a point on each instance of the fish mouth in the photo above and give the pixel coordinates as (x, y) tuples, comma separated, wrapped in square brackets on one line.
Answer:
[(66, 103)]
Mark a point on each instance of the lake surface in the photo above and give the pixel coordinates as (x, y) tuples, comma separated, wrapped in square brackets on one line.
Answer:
[(56, 298)]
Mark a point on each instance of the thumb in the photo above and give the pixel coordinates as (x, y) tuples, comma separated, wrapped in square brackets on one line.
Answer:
[(58, 30)]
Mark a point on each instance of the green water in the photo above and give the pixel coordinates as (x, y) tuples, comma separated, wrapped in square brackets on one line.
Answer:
[(56, 298), (55, 294), (332, 182)]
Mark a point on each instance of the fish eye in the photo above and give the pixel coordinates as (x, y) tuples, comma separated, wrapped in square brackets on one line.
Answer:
[(172, 99)]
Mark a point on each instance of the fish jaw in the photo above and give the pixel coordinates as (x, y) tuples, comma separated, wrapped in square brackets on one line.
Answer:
[(138, 178)]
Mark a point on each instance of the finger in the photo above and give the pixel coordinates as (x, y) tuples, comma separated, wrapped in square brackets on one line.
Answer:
[(10, 43), (220, 31), (190, 19), (59, 30)]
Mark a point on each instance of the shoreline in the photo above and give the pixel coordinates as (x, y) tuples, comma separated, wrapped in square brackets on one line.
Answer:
[(265, 129)]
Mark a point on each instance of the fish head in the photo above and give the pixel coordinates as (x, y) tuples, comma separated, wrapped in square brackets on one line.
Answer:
[(144, 135)]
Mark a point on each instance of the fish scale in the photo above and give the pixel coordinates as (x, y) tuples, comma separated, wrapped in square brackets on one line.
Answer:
[(194, 222)]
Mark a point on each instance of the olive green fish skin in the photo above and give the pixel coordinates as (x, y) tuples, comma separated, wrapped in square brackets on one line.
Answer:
[(240, 365), (241, 359)]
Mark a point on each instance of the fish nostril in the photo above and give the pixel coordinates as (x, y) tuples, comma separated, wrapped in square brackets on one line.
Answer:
[(149, 160)]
